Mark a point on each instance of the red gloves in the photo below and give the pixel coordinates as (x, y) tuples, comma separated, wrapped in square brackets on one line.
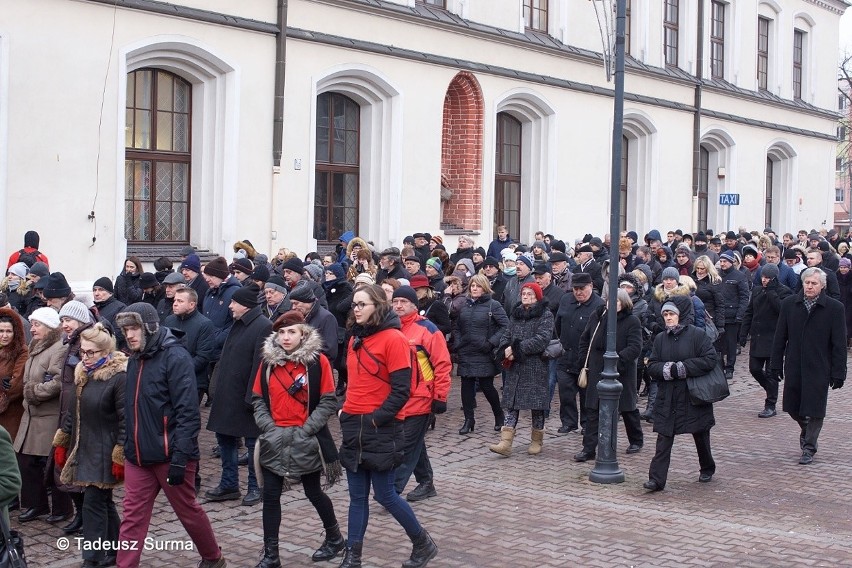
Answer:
[(60, 456), (117, 471)]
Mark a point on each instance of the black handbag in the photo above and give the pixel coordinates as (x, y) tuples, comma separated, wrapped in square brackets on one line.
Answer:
[(12, 548), (709, 388)]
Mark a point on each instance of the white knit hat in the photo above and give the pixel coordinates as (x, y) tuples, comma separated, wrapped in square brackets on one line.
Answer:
[(46, 316), (19, 269)]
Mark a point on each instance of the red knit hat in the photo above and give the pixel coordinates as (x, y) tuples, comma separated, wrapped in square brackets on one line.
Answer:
[(287, 319), (535, 288)]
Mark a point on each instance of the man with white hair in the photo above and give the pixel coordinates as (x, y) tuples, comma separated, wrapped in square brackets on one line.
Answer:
[(810, 345), (465, 249)]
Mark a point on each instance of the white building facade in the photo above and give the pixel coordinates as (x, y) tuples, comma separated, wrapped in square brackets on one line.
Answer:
[(401, 116)]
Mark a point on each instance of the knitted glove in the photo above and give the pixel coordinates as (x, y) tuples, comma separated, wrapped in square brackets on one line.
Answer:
[(176, 474), (118, 471), (439, 406), (673, 371), (60, 456)]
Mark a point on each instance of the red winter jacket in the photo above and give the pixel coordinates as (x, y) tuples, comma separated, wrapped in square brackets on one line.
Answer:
[(423, 336)]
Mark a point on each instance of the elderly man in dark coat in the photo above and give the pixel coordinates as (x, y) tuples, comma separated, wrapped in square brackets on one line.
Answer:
[(760, 319), (810, 342), (303, 301), (232, 416)]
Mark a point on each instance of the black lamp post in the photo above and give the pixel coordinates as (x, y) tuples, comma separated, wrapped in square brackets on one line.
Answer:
[(606, 468)]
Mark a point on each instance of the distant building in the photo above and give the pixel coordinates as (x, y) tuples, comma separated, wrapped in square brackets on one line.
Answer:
[(843, 161)]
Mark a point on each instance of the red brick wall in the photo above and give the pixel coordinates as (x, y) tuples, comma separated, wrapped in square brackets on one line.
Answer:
[(461, 153)]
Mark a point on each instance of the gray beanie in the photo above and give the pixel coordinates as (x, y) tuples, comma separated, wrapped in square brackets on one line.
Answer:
[(670, 272), (769, 270), (670, 307), (76, 310)]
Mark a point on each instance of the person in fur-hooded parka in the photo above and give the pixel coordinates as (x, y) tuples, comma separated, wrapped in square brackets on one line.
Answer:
[(293, 399), (246, 246)]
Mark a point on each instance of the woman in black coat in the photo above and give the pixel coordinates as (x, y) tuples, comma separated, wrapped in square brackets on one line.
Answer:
[(709, 290), (90, 442), (429, 305), (844, 280), (127, 287), (525, 384), (338, 294), (679, 352), (628, 345), (479, 328)]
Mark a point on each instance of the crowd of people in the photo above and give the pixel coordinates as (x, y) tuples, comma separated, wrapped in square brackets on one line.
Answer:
[(95, 397)]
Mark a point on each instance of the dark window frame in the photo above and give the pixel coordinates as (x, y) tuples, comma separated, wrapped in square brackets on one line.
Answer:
[(436, 3), (157, 159), (627, 28), (798, 62), (326, 167), (717, 39), (503, 179), (703, 187), (671, 31), (532, 8), (770, 178), (625, 172), (763, 35)]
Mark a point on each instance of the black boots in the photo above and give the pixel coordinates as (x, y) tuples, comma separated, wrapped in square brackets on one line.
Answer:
[(467, 427), (331, 546), (353, 556), (424, 550), (499, 420), (270, 554), (76, 524)]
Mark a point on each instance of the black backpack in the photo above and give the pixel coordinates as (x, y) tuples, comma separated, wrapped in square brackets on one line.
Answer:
[(28, 258)]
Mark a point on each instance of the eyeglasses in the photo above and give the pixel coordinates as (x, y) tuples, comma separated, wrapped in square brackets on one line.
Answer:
[(89, 354), (360, 305)]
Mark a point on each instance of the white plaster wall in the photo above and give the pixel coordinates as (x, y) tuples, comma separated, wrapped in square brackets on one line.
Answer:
[(58, 56)]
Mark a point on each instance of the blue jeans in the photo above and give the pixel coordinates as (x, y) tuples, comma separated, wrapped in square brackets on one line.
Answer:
[(359, 503), (415, 459), (230, 475)]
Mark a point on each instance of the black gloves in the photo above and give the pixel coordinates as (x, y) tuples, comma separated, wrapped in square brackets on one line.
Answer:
[(176, 474), (836, 383), (7, 383), (439, 406), (743, 341)]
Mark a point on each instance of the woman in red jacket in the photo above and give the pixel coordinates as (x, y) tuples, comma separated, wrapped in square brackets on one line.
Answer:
[(379, 362), (293, 398)]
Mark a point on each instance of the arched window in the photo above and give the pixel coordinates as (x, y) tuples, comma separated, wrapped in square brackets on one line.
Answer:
[(337, 171), (507, 180), (157, 162), (767, 214)]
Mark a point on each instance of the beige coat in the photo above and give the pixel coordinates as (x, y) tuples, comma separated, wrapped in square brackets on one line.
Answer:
[(42, 385)]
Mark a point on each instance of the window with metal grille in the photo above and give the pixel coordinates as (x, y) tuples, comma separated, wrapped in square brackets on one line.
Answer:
[(671, 22), (717, 40), (535, 17), (507, 180), (762, 53), (798, 57), (337, 167), (438, 3), (157, 164)]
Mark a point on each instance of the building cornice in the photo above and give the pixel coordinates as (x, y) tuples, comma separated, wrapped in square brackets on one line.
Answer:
[(833, 6)]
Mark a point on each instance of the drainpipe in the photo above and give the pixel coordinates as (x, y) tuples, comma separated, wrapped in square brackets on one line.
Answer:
[(280, 65), (278, 122), (696, 119)]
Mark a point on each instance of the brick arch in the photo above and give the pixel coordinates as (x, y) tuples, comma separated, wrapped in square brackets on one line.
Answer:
[(461, 154)]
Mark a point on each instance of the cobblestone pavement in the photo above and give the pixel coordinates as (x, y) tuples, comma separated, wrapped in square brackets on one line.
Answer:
[(761, 509)]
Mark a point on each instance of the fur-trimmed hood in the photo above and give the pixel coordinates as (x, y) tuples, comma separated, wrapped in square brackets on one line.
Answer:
[(306, 353), (661, 294), (118, 364), (356, 241), (245, 245)]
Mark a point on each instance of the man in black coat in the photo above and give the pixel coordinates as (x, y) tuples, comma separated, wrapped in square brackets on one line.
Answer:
[(832, 287), (810, 343), (198, 334), (171, 283), (735, 294), (108, 306), (304, 302), (496, 278), (232, 417), (390, 265), (574, 312), (552, 294), (760, 320), (587, 264)]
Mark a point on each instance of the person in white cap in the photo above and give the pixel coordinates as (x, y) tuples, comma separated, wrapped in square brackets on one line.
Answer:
[(34, 442)]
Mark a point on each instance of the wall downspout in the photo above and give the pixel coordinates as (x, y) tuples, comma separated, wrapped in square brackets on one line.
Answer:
[(278, 123), (696, 119)]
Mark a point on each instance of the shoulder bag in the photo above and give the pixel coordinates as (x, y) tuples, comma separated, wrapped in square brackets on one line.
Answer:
[(553, 350), (583, 377), (709, 388), (12, 548)]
